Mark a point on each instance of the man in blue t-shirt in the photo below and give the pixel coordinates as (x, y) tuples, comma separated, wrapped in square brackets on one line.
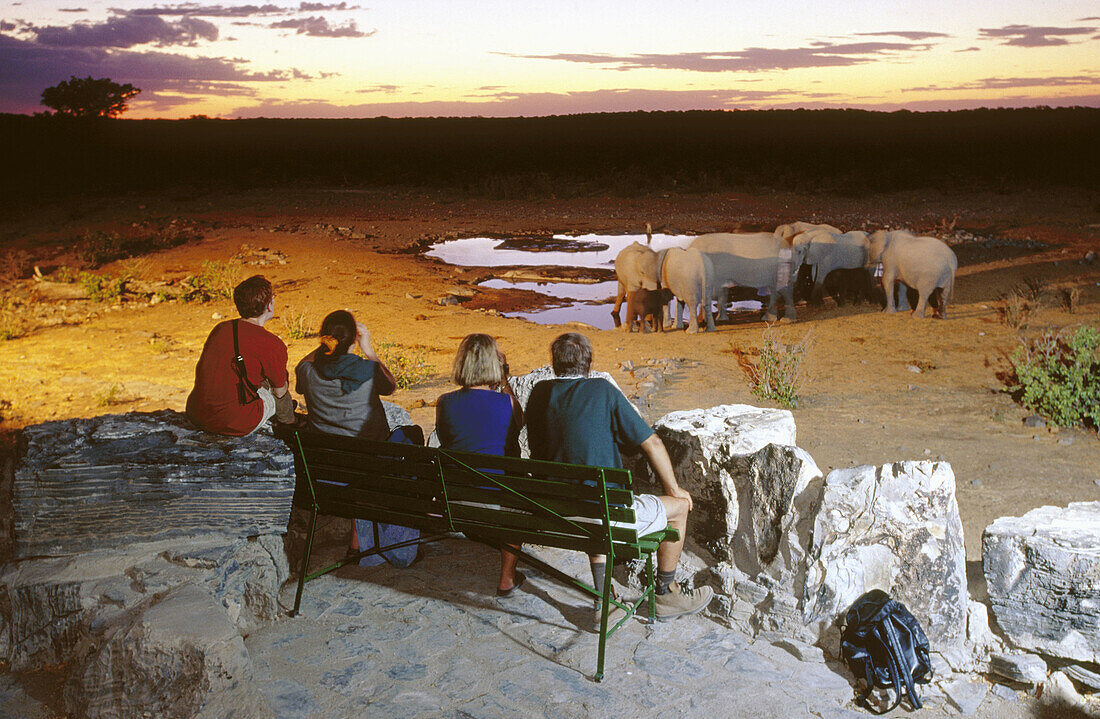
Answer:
[(578, 419)]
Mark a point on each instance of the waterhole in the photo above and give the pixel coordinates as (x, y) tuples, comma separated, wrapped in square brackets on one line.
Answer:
[(587, 297)]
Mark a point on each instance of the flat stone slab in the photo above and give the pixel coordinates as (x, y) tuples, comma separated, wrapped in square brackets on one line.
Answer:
[(1043, 575), (108, 481)]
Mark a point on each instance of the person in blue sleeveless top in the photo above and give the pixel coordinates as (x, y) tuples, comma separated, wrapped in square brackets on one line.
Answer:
[(482, 416)]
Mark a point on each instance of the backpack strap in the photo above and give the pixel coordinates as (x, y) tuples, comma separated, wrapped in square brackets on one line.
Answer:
[(894, 645), (246, 391)]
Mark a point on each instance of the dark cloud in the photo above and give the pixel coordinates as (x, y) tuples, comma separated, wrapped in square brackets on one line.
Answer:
[(323, 7), (6, 26), (1033, 36), (126, 31), (27, 67), (1089, 19), (387, 89), (73, 9), (317, 26), (972, 48), (201, 10), (753, 59), (907, 34), (1005, 83)]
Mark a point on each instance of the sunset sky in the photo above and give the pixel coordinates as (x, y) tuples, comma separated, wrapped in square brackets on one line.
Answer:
[(514, 58)]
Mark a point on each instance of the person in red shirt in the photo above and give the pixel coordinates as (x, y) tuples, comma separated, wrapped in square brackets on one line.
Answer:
[(225, 402)]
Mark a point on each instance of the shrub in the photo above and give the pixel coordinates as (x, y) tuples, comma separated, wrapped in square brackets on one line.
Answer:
[(779, 373), (216, 281), (108, 396), (297, 325), (1071, 298), (1015, 310), (1057, 375), (407, 363), (1034, 287), (102, 288)]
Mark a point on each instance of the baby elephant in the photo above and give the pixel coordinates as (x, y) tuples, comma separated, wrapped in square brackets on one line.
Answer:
[(647, 308)]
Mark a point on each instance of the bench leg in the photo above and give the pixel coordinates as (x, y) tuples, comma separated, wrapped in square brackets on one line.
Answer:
[(305, 564), (605, 608), (651, 588)]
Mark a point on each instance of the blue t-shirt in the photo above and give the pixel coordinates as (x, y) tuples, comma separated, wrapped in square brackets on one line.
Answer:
[(582, 420), (477, 420)]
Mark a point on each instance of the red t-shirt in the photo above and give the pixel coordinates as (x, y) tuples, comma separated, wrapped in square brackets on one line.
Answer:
[(213, 404)]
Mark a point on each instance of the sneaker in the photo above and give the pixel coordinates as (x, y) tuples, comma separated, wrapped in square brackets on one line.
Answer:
[(679, 601)]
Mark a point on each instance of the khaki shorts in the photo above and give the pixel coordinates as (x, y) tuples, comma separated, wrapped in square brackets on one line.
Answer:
[(650, 515)]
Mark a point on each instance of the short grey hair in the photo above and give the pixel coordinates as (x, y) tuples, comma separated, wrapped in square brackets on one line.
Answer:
[(571, 354), (477, 362)]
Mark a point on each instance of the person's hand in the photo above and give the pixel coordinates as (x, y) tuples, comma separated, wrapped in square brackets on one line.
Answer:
[(362, 337), (682, 493)]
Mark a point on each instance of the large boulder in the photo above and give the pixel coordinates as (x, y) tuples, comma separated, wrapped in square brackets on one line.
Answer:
[(1043, 575), (117, 479), (894, 528), (755, 495), (738, 505)]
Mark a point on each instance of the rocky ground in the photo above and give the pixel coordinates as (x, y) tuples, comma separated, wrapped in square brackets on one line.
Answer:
[(879, 388)]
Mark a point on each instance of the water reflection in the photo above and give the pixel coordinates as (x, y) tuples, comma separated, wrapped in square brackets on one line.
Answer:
[(587, 303)]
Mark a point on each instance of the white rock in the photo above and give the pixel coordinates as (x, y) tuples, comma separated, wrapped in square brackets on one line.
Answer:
[(894, 528), (1058, 690), (1020, 668), (1043, 575), (967, 696)]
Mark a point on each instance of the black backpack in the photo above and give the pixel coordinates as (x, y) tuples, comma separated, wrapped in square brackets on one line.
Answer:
[(884, 644)]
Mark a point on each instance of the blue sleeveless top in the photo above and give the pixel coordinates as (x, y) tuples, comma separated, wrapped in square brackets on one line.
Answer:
[(477, 420)]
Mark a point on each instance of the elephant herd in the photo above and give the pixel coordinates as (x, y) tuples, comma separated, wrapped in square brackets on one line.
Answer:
[(801, 252)]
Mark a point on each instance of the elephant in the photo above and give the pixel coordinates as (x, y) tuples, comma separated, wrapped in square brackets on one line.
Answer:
[(826, 251), (786, 232), (853, 285), (753, 260), (688, 273), (922, 263), (647, 308)]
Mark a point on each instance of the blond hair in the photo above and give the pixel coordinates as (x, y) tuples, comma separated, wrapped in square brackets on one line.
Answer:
[(477, 362)]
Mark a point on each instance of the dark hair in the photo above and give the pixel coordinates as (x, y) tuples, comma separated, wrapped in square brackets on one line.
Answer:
[(570, 354), (252, 296), (340, 326)]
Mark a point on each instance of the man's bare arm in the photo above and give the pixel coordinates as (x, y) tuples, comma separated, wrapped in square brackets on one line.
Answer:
[(658, 457)]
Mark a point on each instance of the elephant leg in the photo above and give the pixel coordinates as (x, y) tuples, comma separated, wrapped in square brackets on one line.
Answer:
[(679, 314), (922, 304), (620, 295), (708, 314), (903, 297), (888, 277), (769, 314), (788, 303), (722, 296), (693, 317)]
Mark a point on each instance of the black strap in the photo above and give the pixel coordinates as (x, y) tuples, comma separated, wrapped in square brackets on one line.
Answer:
[(246, 391)]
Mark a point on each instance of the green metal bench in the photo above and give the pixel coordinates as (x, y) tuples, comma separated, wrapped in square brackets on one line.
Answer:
[(495, 500)]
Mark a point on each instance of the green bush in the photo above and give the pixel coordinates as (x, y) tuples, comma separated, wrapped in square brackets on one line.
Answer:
[(780, 371), (1057, 375), (407, 363), (102, 288), (216, 280)]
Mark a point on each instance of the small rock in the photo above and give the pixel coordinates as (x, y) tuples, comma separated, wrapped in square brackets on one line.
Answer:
[(975, 483), (1090, 256), (913, 368), (803, 652), (1066, 441), (1083, 676), (626, 366), (1004, 692), (927, 451), (1034, 420), (1020, 668), (966, 695), (1059, 690), (216, 316), (420, 318)]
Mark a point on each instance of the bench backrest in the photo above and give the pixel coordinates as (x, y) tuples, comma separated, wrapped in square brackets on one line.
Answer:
[(505, 499)]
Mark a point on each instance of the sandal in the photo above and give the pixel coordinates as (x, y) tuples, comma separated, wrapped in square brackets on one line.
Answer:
[(517, 582)]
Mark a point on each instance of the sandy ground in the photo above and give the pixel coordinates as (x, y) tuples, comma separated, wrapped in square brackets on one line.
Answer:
[(862, 402)]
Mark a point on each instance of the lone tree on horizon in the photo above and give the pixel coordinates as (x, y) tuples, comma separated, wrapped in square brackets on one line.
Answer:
[(86, 97)]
